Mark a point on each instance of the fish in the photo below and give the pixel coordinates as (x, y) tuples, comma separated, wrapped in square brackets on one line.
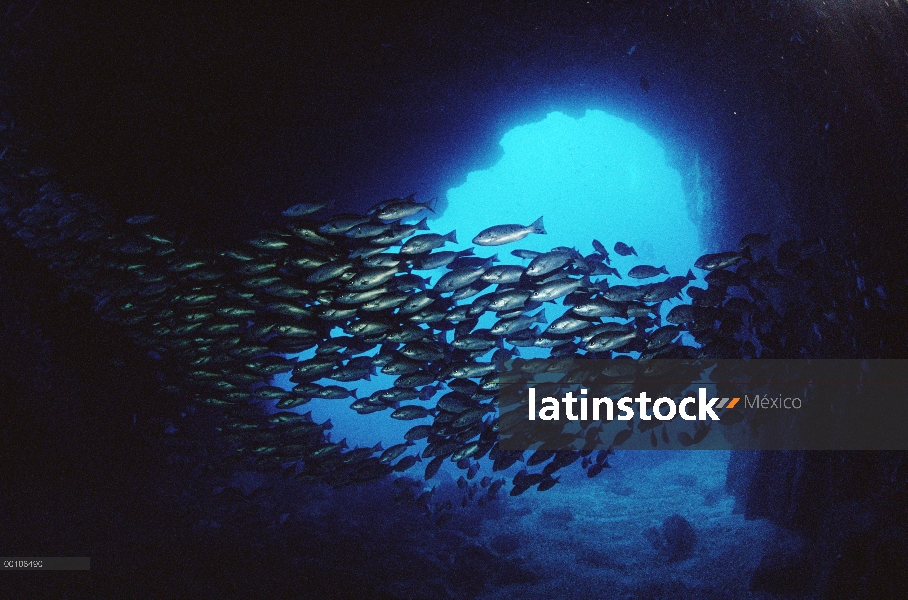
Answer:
[(720, 260), (368, 230), (567, 324), (647, 271), (557, 288), (548, 262), (402, 209), (609, 341), (410, 413), (459, 278), (342, 223), (426, 242), (622, 249), (525, 254), (509, 300), (506, 234), (624, 293), (509, 326), (754, 240), (437, 260), (305, 208), (351, 290), (600, 249), (600, 307), (503, 274)]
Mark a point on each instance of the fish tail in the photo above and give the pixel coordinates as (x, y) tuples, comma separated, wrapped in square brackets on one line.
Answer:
[(662, 269), (422, 225), (452, 237), (690, 275), (540, 316), (746, 253), (537, 226)]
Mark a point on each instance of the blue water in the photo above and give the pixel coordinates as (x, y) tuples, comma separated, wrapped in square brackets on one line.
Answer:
[(597, 176), (594, 177)]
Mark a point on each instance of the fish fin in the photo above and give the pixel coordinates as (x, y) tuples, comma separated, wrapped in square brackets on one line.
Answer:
[(690, 275), (746, 253), (540, 316), (422, 225), (662, 269), (537, 226), (377, 447), (452, 237), (431, 204)]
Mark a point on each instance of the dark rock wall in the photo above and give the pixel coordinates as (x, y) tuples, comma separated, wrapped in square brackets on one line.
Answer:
[(851, 509), (231, 115), (216, 117)]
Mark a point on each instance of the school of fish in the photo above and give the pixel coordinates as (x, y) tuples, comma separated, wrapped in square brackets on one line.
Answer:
[(224, 323)]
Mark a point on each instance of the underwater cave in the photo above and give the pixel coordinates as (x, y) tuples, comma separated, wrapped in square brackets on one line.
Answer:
[(193, 212)]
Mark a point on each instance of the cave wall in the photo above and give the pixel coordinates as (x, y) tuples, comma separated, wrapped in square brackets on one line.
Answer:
[(798, 112), (849, 508), (228, 119)]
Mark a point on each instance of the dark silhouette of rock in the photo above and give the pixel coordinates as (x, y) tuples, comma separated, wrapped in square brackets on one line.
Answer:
[(780, 573), (676, 538), (679, 537)]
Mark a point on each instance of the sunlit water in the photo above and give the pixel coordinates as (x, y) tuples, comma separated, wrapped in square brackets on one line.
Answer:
[(596, 177)]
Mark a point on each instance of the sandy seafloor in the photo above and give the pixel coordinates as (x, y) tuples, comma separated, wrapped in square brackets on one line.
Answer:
[(587, 541)]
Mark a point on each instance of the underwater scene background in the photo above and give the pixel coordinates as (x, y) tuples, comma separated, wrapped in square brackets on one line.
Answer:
[(263, 267)]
